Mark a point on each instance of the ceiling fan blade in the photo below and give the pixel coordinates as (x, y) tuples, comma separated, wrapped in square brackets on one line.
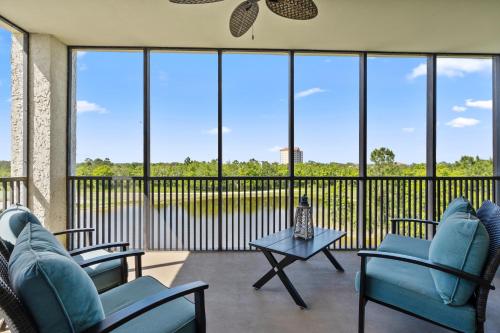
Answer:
[(293, 9), (243, 17), (193, 2)]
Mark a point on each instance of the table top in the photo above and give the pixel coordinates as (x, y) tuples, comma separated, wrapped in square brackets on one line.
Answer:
[(284, 243)]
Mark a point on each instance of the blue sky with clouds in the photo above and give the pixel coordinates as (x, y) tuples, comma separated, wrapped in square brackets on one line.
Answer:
[(255, 104)]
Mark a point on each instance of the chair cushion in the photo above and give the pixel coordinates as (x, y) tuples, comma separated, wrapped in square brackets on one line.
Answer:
[(489, 214), (411, 288), (105, 275), (175, 316), (58, 293), (410, 246), (12, 222), (462, 242), (460, 204)]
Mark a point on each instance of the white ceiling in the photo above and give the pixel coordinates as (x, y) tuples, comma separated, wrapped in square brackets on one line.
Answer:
[(448, 26)]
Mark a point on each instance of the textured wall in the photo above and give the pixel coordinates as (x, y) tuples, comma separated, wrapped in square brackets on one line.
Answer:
[(47, 149), (18, 107)]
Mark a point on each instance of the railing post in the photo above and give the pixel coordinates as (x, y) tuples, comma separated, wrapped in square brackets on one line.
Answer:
[(70, 139), (219, 150), (291, 131), (431, 140), (496, 125), (69, 106), (363, 166), (146, 148)]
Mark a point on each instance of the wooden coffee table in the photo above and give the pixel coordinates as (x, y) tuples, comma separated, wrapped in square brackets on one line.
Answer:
[(294, 249)]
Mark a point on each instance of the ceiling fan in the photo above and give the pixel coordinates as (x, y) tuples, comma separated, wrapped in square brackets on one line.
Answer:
[(245, 14)]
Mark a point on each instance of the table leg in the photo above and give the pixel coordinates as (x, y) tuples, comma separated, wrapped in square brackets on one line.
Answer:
[(272, 272), (278, 270), (333, 260)]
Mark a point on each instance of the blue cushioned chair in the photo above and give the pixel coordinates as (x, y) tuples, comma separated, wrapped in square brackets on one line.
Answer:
[(106, 269), (402, 275), (43, 290)]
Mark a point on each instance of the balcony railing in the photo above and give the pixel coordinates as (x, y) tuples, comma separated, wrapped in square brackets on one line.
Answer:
[(208, 213), (12, 191)]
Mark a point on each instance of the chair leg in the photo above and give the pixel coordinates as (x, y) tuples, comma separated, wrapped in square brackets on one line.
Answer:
[(200, 319), (361, 315), (362, 300), (480, 327), (124, 267)]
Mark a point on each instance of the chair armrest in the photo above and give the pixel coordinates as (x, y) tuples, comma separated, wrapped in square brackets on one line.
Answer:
[(73, 231), (134, 310), (123, 245), (117, 255), (427, 263), (395, 223)]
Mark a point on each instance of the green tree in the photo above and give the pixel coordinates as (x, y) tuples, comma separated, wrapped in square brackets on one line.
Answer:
[(102, 171), (383, 164), (382, 156), (384, 161)]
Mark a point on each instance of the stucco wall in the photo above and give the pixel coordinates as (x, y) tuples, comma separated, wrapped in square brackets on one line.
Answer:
[(47, 146)]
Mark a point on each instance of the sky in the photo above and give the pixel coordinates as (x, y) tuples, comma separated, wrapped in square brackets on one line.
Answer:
[(5, 43), (255, 106)]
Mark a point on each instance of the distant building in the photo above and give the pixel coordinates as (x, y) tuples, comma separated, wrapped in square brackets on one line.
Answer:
[(298, 155)]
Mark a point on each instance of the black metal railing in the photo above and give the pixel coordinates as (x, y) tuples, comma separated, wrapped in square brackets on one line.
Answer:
[(208, 213), (114, 206), (12, 191)]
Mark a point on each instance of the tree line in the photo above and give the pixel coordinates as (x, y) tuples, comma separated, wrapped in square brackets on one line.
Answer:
[(383, 163)]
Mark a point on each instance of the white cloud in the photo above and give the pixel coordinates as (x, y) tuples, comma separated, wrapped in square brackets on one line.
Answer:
[(215, 131), (408, 129), (462, 122), (86, 106), (484, 104), (81, 54), (453, 67), (275, 149), (458, 108), (308, 92), (420, 70)]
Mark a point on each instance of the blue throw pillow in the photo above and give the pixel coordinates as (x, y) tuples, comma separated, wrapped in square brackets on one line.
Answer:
[(489, 214), (58, 293), (12, 222), (460, 204), (462, 243)]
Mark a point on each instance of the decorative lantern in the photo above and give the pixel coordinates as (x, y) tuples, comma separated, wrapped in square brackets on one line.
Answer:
[(303, 227)]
